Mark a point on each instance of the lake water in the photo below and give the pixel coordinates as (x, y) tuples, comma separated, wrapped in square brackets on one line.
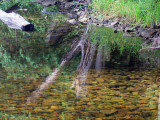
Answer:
[(118, 92), (113, 94)]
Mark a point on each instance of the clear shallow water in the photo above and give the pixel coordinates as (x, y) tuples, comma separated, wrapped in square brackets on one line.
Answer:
[(113, 94)]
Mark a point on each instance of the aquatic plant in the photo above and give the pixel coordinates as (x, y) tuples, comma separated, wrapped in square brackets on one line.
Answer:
[(15, 59), (106, 37)]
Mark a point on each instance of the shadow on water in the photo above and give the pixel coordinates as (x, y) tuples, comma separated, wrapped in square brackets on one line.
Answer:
[(107, 83)]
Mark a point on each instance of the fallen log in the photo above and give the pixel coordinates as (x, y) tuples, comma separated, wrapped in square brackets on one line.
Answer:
[(15, 21)]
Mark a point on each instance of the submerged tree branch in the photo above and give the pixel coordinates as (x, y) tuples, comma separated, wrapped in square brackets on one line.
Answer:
[(51, 78)]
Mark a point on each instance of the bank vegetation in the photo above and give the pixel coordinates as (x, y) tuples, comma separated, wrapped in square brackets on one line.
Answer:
[(143, 12)]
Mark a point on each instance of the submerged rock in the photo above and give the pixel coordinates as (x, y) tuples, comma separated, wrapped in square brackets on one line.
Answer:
[(110, 112)]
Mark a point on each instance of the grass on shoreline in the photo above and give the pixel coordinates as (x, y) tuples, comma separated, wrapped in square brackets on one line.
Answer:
[(143, 12)]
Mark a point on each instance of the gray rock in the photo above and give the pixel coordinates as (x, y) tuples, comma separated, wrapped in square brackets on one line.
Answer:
[(110, 26), (158, 34), (105, 25), (72, 16), (99, 24), (81, 13), (94, 20), (146, 33), (128, 29), (122, 28), (76, 10), (72, 21), (154, 26), (114, 23), (83, 19), (49, 3), (68, 5), (45, 3), (105, 22), (140, 30), (127, 35), (100, 20), (94, 24)]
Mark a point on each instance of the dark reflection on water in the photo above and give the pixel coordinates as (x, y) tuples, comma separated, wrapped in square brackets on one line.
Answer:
[(113, 94)]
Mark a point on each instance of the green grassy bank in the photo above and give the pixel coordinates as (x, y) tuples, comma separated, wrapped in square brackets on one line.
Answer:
[(144, 12)]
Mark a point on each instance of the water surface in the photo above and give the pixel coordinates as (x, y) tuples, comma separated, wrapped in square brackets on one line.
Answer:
[(115, 93)]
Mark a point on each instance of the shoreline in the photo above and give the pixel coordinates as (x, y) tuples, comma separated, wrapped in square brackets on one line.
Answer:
[(76, 15)]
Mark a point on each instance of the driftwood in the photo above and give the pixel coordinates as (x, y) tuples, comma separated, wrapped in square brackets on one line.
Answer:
[(15, 21)]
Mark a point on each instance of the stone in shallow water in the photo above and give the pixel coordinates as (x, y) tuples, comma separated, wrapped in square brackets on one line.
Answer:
[(99, 119), (109, 112), (131, 89), (131, 107), (135, 93), (100, 79)]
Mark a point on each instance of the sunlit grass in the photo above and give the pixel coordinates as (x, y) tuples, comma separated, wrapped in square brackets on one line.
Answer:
[(144, 12)]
